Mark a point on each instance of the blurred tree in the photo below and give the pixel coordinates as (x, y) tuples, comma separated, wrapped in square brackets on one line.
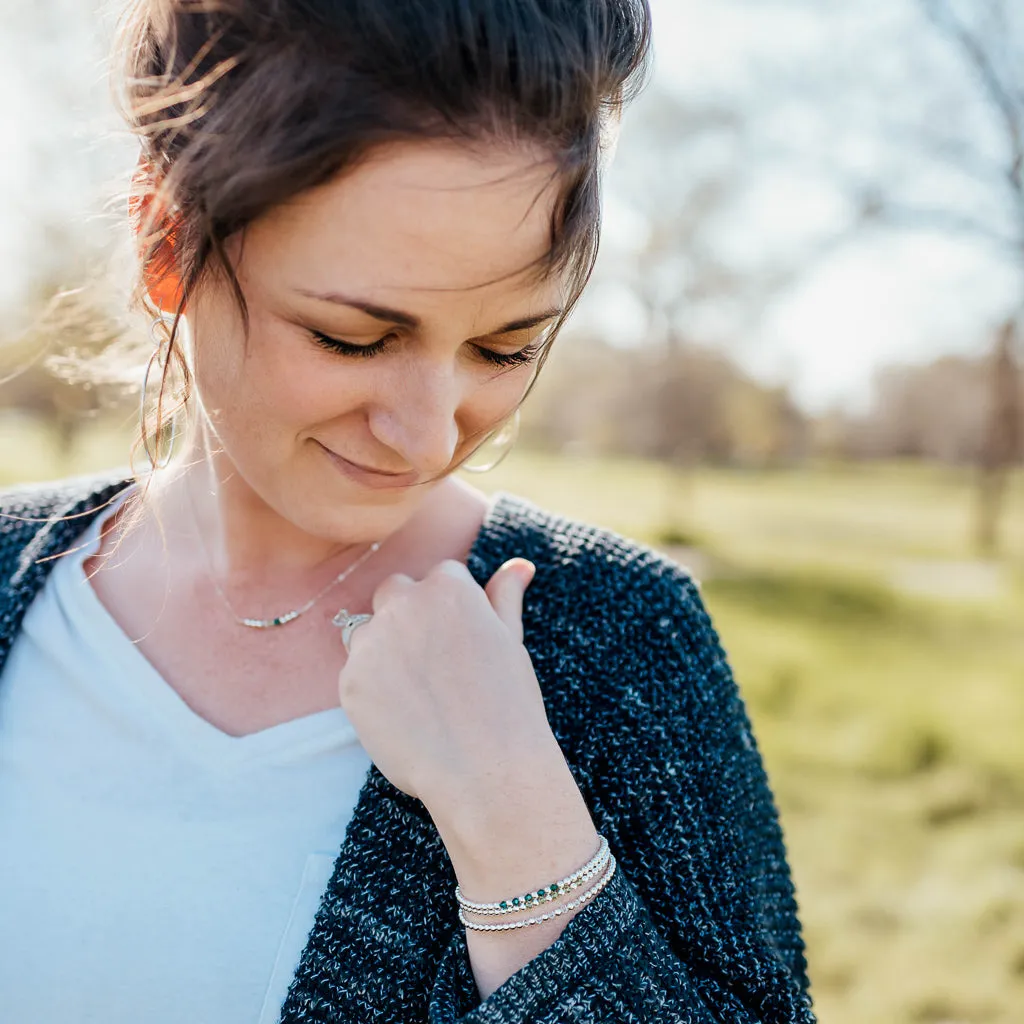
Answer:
[(63, 164), (934, 411), (694, 291), (47, 371), (696, 405), (1003, 444), (49, 368), (964, 178), (990, 42)]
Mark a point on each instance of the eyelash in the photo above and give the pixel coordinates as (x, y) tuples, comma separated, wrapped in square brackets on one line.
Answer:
[(345, 348)]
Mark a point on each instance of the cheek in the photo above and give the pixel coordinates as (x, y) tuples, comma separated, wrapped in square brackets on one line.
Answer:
[(493, 400), (272, 387)]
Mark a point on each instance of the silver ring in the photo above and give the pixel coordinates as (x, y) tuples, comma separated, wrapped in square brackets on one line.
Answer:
[(348, 624)]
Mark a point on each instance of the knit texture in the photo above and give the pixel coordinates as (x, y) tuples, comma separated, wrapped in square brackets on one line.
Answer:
[(699, 923)]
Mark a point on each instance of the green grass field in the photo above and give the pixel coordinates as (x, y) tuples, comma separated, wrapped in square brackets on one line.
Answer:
[(883, 666)]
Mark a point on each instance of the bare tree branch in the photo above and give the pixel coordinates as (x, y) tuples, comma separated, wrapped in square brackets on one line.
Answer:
[(998, 92), (879, 209)]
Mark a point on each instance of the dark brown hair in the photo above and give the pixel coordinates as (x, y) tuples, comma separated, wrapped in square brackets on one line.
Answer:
[(240, 105)]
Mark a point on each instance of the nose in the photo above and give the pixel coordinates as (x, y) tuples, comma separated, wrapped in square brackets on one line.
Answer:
[(415, 415)]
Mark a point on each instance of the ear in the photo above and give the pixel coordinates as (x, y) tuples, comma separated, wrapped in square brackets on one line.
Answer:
[(149, 223)]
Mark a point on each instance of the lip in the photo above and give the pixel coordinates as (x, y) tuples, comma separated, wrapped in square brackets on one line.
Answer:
[(375, 478)]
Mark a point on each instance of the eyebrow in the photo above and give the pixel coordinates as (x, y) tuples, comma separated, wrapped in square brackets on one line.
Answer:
[(396, 316)]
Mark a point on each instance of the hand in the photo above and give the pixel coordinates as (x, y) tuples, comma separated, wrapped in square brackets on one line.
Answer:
[(444, 698), (440, 688)]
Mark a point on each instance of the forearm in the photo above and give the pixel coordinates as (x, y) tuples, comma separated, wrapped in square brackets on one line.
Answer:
[(534, 832)]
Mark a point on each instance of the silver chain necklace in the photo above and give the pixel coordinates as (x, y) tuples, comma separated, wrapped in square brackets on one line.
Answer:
[(277, 620)]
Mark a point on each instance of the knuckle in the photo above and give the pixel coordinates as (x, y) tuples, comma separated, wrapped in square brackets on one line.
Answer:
[(390, 586), (449, 568), (444, 589)]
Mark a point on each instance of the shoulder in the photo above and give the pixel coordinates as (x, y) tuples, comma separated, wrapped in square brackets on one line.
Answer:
[(621, 640), (569, 543), (37, 517), (608, 583), (44, 499), (619, 628)]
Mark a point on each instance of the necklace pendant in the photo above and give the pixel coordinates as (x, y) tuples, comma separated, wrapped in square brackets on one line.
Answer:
[(279, 620)]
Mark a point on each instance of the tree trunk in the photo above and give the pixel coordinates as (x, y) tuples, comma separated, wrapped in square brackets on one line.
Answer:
[(1003, 444)]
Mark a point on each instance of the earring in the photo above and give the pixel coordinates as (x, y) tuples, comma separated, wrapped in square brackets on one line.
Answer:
[(501, 442), (161, 355)]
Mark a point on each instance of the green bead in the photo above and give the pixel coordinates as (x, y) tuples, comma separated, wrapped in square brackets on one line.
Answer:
[(554, 887), (515, 901), (529, 897), (503, 905), (277, 622)]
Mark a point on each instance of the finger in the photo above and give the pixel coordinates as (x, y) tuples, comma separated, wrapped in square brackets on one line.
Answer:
[(389, 588), (452, 567), (505, 591)]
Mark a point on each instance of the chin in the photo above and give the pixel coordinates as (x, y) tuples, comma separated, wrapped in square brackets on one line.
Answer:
[(347, 514)]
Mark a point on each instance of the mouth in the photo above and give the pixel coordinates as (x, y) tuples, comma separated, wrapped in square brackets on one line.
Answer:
[(369, 476)]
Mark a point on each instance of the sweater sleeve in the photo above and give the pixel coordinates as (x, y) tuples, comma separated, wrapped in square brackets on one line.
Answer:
[(699, 922)]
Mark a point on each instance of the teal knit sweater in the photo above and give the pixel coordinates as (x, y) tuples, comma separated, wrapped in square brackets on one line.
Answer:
[(698, 925)]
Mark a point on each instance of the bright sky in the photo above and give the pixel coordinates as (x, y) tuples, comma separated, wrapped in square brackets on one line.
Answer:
[(884, 297)]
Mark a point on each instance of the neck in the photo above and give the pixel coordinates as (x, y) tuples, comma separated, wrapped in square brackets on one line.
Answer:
[(252, 547), (245, 541)]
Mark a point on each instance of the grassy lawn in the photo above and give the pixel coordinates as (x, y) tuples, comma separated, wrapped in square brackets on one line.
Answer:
[(883, 666), (890, 717)]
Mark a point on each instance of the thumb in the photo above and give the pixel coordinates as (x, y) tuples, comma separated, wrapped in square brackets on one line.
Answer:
[(505, 591)]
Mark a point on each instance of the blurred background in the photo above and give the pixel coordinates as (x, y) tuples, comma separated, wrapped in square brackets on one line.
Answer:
[(798, 370)]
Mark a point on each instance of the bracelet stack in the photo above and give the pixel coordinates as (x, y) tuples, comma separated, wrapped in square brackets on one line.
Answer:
[(601, 866)]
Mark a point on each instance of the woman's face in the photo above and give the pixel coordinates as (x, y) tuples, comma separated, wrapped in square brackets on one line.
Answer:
[(393, 313)]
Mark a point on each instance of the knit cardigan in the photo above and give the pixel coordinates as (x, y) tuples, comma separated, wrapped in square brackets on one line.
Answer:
[(698, 924)]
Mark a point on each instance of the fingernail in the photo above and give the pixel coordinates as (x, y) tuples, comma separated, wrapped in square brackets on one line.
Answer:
[(524, 567)]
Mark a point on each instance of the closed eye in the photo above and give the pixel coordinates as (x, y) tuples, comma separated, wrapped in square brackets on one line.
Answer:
[(348, 348)]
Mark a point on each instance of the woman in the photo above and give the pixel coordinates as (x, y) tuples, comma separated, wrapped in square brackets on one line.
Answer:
[(283, 692)]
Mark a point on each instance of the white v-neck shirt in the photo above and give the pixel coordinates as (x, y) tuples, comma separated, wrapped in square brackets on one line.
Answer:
[(152, 868)]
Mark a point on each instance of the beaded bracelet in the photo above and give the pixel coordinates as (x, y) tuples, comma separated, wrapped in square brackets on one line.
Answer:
[(561, 891), (556, 890), (572, 905)]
